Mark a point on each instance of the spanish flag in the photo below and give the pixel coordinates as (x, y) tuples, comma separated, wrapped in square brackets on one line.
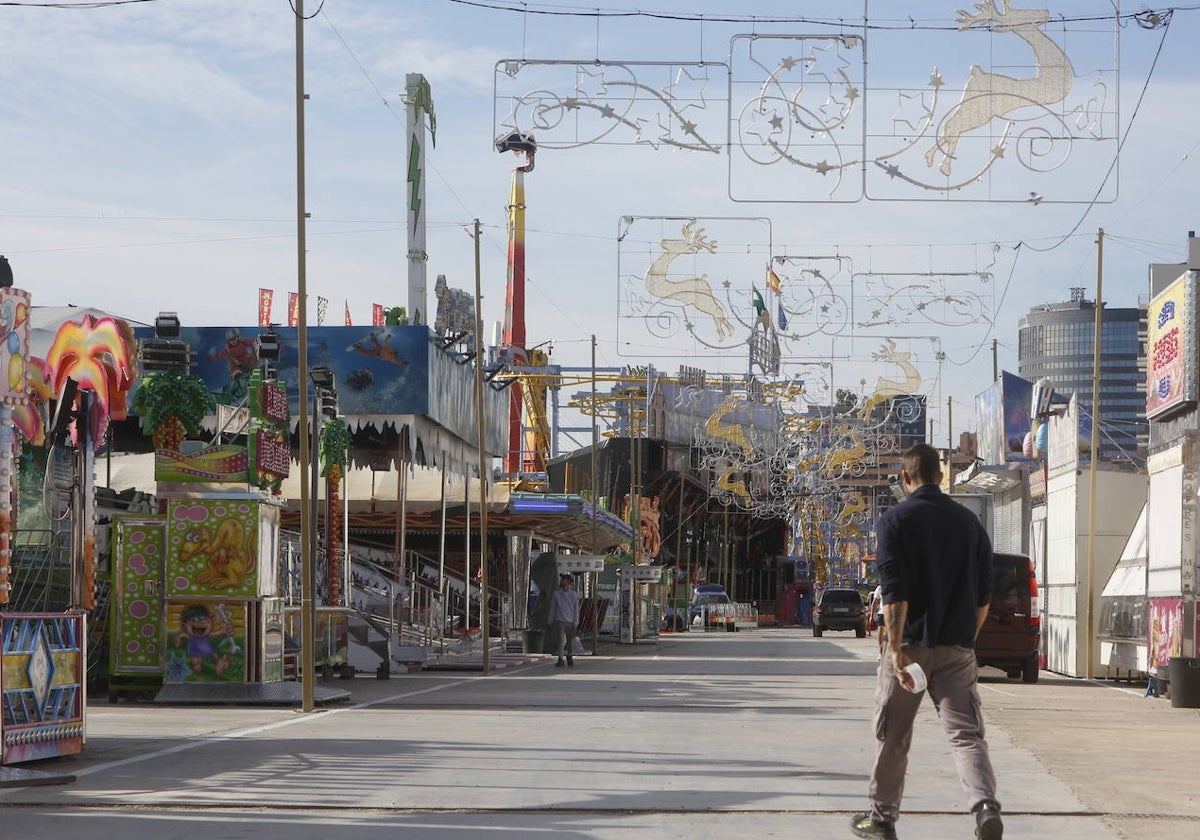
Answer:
[(772, 280)]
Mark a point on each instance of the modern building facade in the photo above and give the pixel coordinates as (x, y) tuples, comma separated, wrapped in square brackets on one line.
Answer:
[(1057, 343)]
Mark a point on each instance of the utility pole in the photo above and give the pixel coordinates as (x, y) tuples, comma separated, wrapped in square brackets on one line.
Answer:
[(595, 593), (1095, 447), (485, 619), (950, 442), (307, 624), (995, 360)]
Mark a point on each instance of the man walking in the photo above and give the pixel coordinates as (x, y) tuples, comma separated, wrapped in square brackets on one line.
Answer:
[(564, 618), (935, 566)]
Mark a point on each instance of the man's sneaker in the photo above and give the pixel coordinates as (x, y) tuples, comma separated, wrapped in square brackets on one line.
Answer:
[(559, 663), (988, 825), (863, 826)]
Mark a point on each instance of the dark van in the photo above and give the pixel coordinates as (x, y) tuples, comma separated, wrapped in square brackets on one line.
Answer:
[(1009, 638)]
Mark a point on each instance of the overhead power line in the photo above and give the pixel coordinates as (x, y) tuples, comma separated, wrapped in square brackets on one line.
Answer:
[(1146, 19)]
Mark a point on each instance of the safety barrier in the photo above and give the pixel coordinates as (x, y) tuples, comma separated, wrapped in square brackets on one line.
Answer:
[(729, 617)]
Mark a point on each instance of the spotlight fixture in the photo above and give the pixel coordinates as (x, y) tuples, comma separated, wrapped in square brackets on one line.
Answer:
[(268, 345), (322, 377), (166, 325), (6, 277)]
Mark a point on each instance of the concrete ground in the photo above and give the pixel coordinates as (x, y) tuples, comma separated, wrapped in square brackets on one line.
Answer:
[(756, 734)]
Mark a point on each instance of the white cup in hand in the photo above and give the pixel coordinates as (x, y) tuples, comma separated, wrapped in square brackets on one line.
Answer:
[(919, 679)]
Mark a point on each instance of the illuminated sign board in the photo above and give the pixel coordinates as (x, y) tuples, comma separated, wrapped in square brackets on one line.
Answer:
[(1170, 347)]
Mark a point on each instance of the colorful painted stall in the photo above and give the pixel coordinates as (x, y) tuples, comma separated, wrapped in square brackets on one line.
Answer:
[(85, 372), (196, 605)]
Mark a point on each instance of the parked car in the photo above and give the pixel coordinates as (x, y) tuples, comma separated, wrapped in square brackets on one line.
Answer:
[(704, 596), (1010, 635), (839, 609)]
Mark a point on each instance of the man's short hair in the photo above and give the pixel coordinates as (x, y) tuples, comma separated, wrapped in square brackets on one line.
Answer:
[(564, 576), (923, 464)]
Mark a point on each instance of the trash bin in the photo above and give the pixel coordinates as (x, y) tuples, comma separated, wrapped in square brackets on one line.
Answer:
[(1185, 682), (534, 640)]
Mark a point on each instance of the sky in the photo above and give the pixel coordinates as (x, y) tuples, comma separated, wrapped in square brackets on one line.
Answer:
[(148, 163)]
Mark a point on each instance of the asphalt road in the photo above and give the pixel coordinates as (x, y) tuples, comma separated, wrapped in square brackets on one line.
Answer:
[(748, 735)]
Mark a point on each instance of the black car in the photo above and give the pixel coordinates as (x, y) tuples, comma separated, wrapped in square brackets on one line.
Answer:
[(839, 609)]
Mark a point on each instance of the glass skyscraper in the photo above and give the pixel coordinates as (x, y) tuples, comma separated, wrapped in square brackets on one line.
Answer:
[(1057, 343)]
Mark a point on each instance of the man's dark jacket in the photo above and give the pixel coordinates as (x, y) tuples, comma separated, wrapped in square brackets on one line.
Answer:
[(934, 553)]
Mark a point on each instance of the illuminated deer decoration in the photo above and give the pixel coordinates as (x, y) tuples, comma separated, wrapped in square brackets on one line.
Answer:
[(693, 291), (886, 388), (989, 96), (731, 434)]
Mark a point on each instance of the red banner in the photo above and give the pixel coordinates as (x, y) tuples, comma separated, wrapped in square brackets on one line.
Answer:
[(266, 297), (293, 309), (348, 324), (377, 314)]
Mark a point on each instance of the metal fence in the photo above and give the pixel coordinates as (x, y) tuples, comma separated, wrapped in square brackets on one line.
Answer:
[(728, 617)]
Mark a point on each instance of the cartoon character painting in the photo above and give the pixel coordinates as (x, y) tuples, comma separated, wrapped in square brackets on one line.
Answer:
[(207, 640), (229, 556)]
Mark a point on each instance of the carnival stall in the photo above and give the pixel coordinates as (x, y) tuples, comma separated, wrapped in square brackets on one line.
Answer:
[(60, 402)]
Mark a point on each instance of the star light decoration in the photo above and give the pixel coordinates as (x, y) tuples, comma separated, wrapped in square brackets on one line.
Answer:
[(568, 104)]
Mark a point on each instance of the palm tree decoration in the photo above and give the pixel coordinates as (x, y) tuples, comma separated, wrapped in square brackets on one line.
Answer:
[(335, 451), (170, 407)]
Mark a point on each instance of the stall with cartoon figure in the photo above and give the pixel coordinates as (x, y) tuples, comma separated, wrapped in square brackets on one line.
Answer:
[(54, 405), (196, 602)]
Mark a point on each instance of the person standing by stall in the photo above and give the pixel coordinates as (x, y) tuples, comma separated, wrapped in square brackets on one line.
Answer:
[(564, 619)]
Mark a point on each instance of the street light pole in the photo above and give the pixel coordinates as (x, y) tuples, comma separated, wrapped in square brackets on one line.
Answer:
[(1095, 447), (307, 625)]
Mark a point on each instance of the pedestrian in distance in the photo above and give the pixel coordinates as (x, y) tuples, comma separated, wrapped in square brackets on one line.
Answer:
[(564, 618), (875, 608), (935, 567)]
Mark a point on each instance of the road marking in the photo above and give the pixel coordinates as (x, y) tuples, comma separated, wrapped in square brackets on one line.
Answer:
[(195, 743), (998, 691), (1131, 691)]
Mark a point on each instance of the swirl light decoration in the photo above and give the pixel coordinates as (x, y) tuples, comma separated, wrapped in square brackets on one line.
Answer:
[(568, 104), (802, 122)]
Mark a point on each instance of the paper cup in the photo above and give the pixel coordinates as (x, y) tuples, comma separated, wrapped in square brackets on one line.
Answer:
[(918, 675)]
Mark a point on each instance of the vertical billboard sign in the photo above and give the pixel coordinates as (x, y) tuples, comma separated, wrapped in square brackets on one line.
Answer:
[(1170, 371)]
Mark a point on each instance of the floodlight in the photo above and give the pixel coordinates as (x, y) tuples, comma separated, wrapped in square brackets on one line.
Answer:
[(166, 325)]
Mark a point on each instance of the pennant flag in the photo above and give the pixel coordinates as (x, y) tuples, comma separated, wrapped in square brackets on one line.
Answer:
[(266, 297), (772, 279), (760, 309), (348, 323), (757, 299), (377, 314), (322, 308), (293, 309), (782, 315)]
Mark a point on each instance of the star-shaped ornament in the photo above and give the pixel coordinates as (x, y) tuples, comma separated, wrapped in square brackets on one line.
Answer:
[(788, 63), (823, 167)]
